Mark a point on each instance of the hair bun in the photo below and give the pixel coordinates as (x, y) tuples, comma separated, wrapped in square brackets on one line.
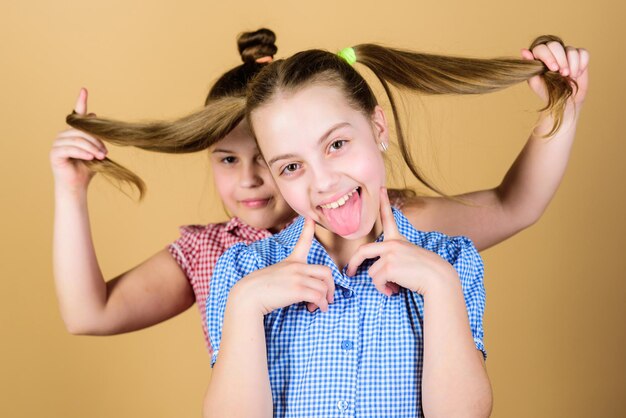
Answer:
[(257, 44)]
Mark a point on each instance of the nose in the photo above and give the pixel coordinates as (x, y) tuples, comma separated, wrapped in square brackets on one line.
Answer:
[(325, 177), (250, 175)]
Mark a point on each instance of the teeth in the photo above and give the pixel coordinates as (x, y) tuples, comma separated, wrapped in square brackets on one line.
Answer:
[(339, 202)]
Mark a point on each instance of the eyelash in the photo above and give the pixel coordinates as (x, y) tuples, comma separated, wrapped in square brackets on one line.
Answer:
[(224, 160), (284, 171), (333, 149)]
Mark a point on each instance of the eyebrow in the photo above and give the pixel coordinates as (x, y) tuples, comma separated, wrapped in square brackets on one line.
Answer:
[(319, 141)]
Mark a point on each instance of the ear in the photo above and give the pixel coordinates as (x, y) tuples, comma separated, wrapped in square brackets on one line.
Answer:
[(379, 123)]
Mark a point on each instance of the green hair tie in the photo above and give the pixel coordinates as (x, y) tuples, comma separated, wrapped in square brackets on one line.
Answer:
[(348, 55)]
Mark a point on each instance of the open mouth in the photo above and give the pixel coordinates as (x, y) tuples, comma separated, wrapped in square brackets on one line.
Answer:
[(343, 216), (341, 201)]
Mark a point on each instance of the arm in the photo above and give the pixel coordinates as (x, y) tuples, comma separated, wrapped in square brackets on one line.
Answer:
[(530, 184), (240, 383), (242, 365), (454, 381), (154, 291)]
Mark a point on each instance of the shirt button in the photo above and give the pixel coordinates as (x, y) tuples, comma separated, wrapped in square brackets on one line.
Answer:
[(347, 293), (342, 405), (347, 345)]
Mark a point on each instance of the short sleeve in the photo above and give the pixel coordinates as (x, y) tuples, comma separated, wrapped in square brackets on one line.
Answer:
[(233, 265), (469, 265), (186, 248)]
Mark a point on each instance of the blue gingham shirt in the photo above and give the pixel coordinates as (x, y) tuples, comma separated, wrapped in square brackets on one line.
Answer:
[(362, 358)]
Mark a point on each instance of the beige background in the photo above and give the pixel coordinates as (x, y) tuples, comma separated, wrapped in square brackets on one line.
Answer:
[(556, 292)]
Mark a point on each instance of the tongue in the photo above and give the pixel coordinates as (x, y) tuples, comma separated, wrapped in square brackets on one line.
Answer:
[(345, 220)]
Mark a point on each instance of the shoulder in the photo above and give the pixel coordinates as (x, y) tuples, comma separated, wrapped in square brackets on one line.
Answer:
[(199, 232), (262, 253), (452, 249)]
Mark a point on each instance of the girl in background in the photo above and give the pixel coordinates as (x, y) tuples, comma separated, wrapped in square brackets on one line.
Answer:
[(400, 327)]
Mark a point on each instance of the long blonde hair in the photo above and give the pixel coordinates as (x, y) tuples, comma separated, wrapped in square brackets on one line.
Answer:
[(224, 109), (406, 70)]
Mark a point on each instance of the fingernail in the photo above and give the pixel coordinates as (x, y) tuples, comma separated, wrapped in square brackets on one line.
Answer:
[(554, 67)]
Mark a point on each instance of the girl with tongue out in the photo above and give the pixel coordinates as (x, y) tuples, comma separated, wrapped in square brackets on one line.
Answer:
[(399, 330)]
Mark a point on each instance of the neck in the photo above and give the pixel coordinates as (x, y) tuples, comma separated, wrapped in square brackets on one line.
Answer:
[(340, 249)]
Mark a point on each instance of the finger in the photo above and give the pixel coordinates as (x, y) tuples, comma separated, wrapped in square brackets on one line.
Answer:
[(301, 250), (78, 133), (323, 274), (320, 302), (561, 58), (543, 54), (584, 59), (379, 272), (315, 294), (390, 228), (583, 63), (382, 286), (364, 252), (65, 153), (79, 143), (527, 55), (573, 59), (311, 307), (81, 102)]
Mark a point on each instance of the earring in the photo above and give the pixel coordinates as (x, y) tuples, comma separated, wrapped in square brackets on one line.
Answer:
[(383, 146)]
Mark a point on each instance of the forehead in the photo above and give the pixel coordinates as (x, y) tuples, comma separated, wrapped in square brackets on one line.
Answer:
[(239, 139), (303, 115)]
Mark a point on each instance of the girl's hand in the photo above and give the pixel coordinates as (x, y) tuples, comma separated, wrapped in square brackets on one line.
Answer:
[(70, 148), (400, 262), (568, 61), (288, 282)]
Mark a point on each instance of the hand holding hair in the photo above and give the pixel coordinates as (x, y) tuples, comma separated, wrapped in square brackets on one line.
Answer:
[(72, 150), (568, 61)]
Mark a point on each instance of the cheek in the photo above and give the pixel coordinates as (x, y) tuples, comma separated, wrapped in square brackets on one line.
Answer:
[(224, 180), (294, 194), (370, 168)]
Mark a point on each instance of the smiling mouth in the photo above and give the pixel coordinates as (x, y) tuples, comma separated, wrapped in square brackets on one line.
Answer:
[(256, 203), (341, 201)]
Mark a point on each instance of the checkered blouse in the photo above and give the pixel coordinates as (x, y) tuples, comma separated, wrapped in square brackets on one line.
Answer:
[(200, 246), (362, 358)]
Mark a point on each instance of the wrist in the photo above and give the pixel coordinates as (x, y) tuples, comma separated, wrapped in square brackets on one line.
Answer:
[(545, 122), (444, 281), (240, 302), (77, 193)]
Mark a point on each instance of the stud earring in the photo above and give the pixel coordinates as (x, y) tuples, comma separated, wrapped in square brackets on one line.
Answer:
[(383, 146)]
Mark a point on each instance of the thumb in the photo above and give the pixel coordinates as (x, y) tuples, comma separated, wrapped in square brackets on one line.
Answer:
[(535, 82), (81, 102), (301, 250)]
